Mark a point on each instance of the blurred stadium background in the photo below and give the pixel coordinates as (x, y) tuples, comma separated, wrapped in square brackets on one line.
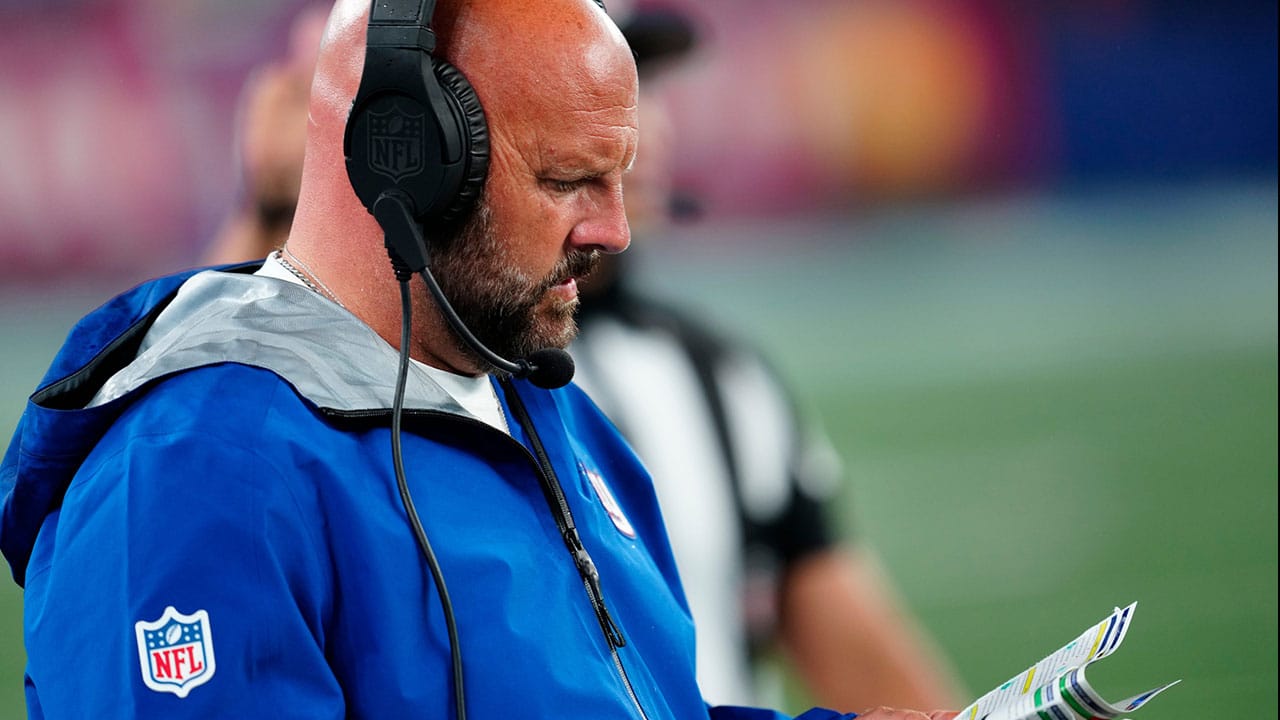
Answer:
[(1019, 258)]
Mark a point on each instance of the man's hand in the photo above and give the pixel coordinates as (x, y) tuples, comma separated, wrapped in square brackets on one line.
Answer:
[(884, 713)]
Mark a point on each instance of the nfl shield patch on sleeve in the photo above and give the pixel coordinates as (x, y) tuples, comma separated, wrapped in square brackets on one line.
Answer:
[(176, 651)]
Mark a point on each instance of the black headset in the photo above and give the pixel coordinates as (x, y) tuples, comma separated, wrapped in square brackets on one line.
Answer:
[(416, 128)]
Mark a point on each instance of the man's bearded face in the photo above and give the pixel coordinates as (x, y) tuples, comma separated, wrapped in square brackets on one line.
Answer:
[(511, 312)]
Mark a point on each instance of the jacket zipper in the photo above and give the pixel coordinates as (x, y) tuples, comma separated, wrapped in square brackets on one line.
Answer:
[(569, 532), (555, 497)]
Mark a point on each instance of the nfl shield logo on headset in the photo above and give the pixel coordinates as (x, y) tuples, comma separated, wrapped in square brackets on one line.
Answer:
[(396, 143), (176, 651)]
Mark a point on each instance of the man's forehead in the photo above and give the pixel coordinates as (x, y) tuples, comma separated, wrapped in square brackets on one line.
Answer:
[(589, 119), (596, 150), (583, 115)]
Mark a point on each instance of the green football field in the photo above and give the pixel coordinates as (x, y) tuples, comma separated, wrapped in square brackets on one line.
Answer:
[(1047, 407)]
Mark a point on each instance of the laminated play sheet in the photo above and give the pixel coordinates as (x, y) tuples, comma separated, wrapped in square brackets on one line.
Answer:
[(1056, 687)]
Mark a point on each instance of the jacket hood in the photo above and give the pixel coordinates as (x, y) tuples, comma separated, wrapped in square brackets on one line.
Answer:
[(179, 323)]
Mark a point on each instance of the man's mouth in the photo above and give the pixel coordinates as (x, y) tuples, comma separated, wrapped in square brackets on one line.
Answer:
[(566, 290), (578, 265)]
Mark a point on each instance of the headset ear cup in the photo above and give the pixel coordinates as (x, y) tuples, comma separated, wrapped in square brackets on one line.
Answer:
[(463, 98)]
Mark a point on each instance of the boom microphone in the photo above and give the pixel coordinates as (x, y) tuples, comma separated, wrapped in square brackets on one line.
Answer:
[(551, 368), (548, 368)]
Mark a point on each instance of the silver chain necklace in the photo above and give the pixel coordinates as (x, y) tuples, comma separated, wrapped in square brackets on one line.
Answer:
[(309, 278)]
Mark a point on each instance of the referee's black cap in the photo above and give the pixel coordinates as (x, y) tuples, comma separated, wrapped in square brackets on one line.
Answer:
[(656, 34)]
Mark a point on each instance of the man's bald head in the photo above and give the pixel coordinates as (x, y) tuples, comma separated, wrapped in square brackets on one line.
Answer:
[(504, 48), (557, 83)]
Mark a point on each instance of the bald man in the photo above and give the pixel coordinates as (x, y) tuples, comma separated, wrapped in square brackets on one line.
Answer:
[(205, 502), (271, 136)]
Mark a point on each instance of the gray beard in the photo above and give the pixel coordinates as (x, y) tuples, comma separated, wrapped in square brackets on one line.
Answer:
[(500, 305)]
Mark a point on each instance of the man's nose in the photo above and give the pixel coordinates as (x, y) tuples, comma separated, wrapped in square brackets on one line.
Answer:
[(605, 227)]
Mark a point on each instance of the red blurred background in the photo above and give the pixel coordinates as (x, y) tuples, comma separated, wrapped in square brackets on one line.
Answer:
[(117, 116)]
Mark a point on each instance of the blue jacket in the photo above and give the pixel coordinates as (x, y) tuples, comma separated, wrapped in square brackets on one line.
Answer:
[(201, 504)]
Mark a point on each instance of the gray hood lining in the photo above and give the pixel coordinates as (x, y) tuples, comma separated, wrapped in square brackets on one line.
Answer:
[(328, 355)]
